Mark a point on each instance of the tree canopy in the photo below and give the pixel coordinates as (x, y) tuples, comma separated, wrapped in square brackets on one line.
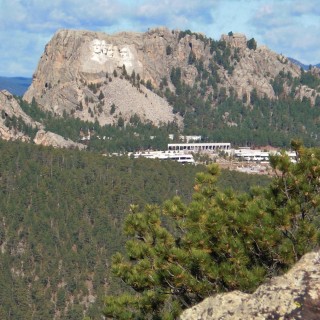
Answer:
[(178, 254), (61, 217)]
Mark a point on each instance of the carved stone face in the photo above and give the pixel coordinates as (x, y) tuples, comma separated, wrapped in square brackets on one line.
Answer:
[(111, 51), (96, 46), (125, 53), (104, 47)]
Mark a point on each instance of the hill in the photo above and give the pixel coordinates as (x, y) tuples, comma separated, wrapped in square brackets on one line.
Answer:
[(61, 220), (230, 89), (15, 124), (16, 85)]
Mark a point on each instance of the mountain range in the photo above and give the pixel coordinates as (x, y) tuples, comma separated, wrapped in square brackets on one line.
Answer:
[(16, 85), (302, 65)]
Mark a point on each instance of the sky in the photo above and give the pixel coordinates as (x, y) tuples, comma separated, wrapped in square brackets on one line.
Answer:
[(290, 27)]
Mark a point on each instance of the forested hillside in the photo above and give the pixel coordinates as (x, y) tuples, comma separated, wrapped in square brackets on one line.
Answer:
[(61, 215), (247, 120), (266, 122), (221, 241)]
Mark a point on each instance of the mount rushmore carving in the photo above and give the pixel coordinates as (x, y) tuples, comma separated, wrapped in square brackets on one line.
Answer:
[(107, 53)]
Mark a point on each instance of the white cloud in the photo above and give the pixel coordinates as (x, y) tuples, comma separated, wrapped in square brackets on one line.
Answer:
[(29, 15), (173, 13), (305, 8), (290, 28), (287, 26)]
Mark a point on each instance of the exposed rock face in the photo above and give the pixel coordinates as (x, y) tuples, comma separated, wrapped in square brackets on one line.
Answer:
[(128, 100), (10, 108), (305, 92), (73, 60), (52, 139), (296, 295), (256, 68), (237, 40)]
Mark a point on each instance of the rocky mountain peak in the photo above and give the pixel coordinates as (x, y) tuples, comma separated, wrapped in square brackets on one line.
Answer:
[(236, 40), (11, 115), (15, 124), (132, 64), (72, 60)]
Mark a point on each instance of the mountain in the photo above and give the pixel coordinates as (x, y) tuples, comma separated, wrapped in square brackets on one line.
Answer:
[(221, 89), (15, 124), (62, 214), (84, 72), (302, 65), (16, 85), (90, 81), (62, 211)]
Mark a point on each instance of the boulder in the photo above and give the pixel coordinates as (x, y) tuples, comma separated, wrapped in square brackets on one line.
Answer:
[(295, 295), (47, 138)]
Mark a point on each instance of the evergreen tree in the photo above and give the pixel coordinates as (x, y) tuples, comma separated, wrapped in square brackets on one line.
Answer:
[(179, 254), (252, 44)]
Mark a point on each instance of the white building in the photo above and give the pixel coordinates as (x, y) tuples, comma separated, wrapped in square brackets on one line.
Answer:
[(185, 138), (165, 155), (199, 147), (258, 155)]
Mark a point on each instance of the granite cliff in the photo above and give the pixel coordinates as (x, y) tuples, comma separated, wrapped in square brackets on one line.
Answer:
[(11, 114), (97, 76), (295, 295), (78, 73), (15, 124)]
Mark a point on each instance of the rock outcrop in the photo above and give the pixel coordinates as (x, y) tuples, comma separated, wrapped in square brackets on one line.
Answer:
[(47, 138), (295, 295), (236, 40), (14, 121), (11, 112), (75, 60)]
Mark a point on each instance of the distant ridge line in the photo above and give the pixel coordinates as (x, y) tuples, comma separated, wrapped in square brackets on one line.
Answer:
[(302, 65), (15, 85)]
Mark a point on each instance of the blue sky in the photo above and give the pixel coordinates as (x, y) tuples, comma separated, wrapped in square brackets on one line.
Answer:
[(290, 27)]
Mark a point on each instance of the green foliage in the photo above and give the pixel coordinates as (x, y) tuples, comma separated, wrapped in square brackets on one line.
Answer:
[(18, 125), (310, 80), (180, 253), (113, 109), (149, 85), (175, 76), (268, 122), (101, 96), (61, 213), (133, 137), (277, 85), (198, 36), (182, 34), (252, 44), (120, 122)]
